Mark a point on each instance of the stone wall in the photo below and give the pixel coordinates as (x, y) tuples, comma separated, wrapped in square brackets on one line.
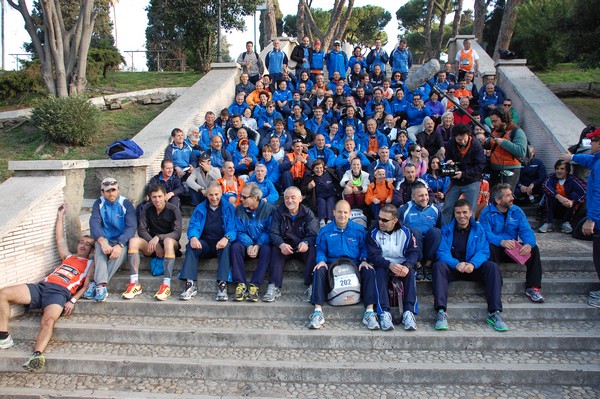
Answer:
[(37, 188), (27, 220)]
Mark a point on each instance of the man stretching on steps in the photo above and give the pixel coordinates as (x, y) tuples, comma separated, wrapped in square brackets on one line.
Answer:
[(56, 295)]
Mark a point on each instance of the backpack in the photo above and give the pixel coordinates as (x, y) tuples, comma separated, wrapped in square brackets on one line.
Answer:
[(157, 266), (124, 149), (527, 158), (577, 221), (344, 283)]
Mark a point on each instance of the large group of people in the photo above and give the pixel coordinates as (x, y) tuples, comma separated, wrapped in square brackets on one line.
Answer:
[(360, 170)]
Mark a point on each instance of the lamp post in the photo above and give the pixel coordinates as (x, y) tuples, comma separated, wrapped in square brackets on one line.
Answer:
[(219, 58)]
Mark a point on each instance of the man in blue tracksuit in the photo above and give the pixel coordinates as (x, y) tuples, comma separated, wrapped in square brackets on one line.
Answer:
[(211, 230), (337, 60), (424, 220), (393, 250), (112, 224), (253, 224), (504, 224), (401, 59), (464, 255), (347, 239), (275, 61), (592, 224)]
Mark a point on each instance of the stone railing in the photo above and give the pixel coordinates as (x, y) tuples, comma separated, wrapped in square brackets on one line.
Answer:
[(548, 123)]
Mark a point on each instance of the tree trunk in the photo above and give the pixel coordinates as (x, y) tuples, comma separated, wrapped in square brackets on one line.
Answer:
[(337, 24), (300, 25), (479, 14), (427, 50), (457, 18), (444, 12), (509, 19), (63, 57), (269, 23)]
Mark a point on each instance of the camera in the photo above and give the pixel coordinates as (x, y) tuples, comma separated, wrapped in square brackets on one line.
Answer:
[(450, 170)]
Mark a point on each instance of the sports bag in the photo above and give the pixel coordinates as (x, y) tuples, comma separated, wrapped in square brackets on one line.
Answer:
[(344, 282), (124, 149)]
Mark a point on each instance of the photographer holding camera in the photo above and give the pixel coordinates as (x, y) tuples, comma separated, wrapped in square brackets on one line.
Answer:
[(465, 162)]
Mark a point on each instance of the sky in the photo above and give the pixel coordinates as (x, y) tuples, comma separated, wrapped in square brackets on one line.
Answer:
[(132, 20)]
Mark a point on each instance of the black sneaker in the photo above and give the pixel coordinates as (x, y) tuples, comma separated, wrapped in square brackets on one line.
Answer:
[(419, 275), (427, 273)]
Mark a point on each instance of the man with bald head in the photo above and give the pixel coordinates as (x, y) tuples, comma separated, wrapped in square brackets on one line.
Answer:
[(343, 239)]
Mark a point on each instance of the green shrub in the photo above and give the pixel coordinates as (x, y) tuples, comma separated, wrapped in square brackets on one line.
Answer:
[(68, 120), (27, 80)]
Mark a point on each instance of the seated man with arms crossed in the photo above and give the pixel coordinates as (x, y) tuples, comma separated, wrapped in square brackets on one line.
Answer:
[(56, 295)]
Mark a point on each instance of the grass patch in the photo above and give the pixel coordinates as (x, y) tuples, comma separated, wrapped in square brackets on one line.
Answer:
[(569, 73), (586, 108), (26, 142), (132, 81)]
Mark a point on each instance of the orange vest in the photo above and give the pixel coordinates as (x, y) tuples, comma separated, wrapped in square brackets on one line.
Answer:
[(383, 191), (500, 156), (298, 169), (71, 273), (466, 60)]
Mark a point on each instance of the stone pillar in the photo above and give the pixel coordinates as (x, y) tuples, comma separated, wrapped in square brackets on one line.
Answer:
[(74, 172)]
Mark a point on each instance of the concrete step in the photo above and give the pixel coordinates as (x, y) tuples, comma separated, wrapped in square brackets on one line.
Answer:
[(556, 263), (348, 334), (82, 386), (553, 283), (381, 355), (318, 370)]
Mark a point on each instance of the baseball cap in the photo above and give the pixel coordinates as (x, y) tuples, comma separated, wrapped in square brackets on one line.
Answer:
[(595, 133), (318, 42), (204, 157), (337, 42), (109, 183)]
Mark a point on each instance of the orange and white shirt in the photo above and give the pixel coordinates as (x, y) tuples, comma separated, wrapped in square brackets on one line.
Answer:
[(71, 273)]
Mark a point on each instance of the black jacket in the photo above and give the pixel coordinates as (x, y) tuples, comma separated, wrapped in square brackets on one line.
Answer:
[(471, 165)]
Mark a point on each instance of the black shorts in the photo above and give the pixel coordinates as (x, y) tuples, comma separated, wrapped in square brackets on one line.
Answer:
[(44, 294)]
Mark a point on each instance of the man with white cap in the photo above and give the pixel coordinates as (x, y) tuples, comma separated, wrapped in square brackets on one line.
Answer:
[(112, 225)]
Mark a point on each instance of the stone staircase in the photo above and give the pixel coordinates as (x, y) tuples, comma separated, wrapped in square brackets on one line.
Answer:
[(201, 348)]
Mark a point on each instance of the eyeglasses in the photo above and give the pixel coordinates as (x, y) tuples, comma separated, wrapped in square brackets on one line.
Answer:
[(419, 150), (385, 220), (507, 105), (245, 197)]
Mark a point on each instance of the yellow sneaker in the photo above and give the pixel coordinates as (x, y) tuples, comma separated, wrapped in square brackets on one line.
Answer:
[(132, 290), (252, 293), (164, 292)]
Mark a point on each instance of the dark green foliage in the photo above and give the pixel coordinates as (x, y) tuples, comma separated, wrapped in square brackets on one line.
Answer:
[(68, 120), (187, 30), (18, 83), (584, 31), (101, 59)]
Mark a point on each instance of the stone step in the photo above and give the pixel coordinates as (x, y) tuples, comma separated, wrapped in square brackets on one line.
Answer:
[(320, 371), (554, 283), (554, 263), (82, 386), (464, 334), (383, 356)]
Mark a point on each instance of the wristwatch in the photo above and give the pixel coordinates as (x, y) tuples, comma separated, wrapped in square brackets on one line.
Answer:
[(121, 245), (73, 300)]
